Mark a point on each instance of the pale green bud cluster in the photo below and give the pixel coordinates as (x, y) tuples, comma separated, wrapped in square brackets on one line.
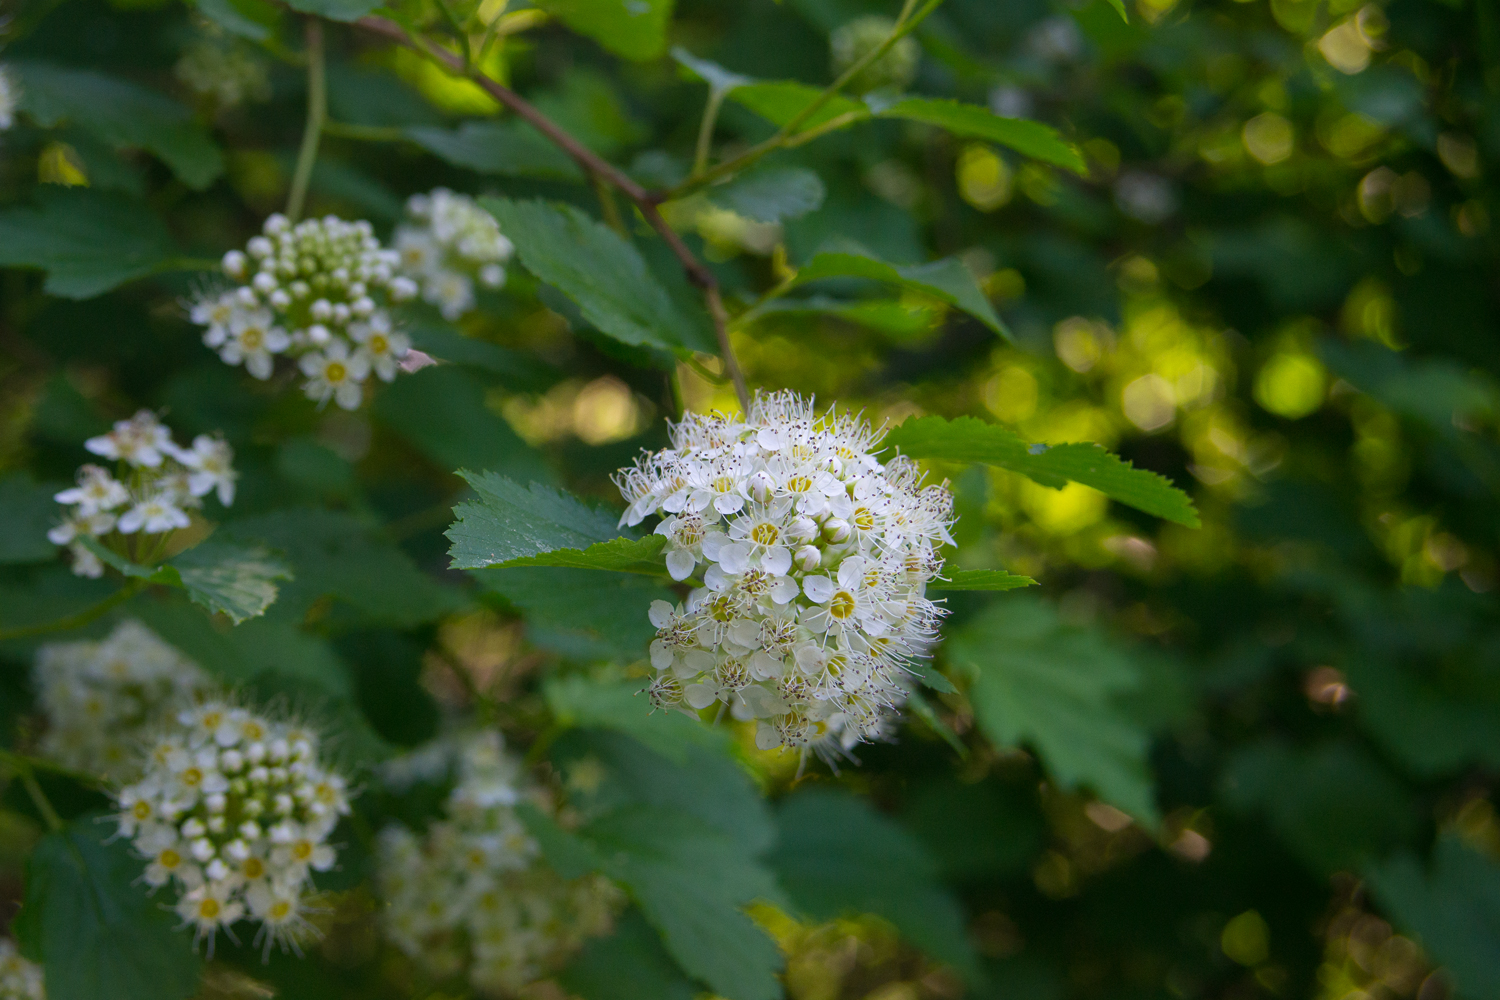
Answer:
[(895, 70)]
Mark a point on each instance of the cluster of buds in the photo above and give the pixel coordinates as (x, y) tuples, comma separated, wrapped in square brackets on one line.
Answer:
[(234, 811), (317, 291), (135, 509), (102, 699), (815, 560), (225, 75), (856, 39), (19, 978), (446, 245), (472, 895)]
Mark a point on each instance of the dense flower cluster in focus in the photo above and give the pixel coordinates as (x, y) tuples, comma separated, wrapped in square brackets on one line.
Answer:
[(103, 699), (19, 978), (155, 483), (816, 557), (472, 892), (317, 291), (234, 810), (447, 244)]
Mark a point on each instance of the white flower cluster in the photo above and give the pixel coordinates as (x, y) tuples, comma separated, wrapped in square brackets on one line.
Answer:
[(316, 291), (19, 979), (472, 892), (447, 243), (102, 699), (816, 557), (235, 811), (159, 482), (10, 96), (228, 75)]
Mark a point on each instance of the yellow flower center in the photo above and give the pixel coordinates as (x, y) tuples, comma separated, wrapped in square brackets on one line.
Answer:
[(842, 605), (141, 810), (723, 484), (280, 909), (192, 776), (379, 345), (798, 484), (209, 909), (765, 534), (335, 372), (864, 518), (169, 859), (252, 338), (253, 868), (302, 850)]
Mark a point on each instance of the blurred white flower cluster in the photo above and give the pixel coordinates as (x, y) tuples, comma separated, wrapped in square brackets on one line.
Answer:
[(472, 892), (155, 483), (19, 978), (227, 75), (103, 699), (10, 96), (816, 557), (317, 291), (447, 244), (856, 39), (235, 810)]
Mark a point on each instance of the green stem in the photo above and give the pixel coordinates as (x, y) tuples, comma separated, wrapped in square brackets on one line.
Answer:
[(606, 195), (364, 133), (458, 29), (706, 129), (317, 113), (78, 620)]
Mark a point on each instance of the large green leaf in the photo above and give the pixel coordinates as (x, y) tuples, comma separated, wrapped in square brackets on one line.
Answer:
[(87, 241), (335, 10), (836, 856), (582, 614), (945, 280), (635, 29), (27, 510), (1056, 687), (92, 926), (510, 522), (237, 580), (780, 102), (630, 964), (252, 19), (771, 195), (624, 555), (508, 148), (1453, 910), (122, 114), (970, 121), (622, 707), (969, 440), (595, 267)]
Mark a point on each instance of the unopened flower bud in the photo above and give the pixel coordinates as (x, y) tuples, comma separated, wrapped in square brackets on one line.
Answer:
[(808, 557), (836, 530), (234, 263)]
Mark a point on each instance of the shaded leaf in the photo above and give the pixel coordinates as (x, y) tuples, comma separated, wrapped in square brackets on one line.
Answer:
[(1055, 687), (771, 195), (585, 615), (237, 580), (635, 29), (711, 73), (94, 930), (969, 440), (623, 708), (122, 114), (780, 102), (510, 521), (630, 964), (335, 10), (946, 280), (970, 121), (27, 510), (596, 268), (980, 579), (836, 856), (252, 19), (508, 148), (87, 241)]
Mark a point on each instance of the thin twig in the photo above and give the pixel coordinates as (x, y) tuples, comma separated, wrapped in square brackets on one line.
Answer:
[(317, 112), (706, 129), (593, 165)]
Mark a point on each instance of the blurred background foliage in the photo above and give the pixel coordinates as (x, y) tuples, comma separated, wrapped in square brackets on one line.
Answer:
[(1276, 285)]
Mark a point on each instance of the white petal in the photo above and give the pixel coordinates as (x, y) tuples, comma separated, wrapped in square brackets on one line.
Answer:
[(784, 590), (777, 561), (817, 588), (699, 695), (661, 613), (680, 563)]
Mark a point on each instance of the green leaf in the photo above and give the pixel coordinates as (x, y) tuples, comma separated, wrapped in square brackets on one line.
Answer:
[(771, 195), (587, 615), (1453, 910), (87, 241), (1432, 720), (122, 114), (634, 29), (716, 76), (517, 369), (510, 521), (630, 964), (252, 19), (507, 148), (837, 856), (970, 121), (570, 856), (945, 280), (92, 926), (1119, 6), (624, 555), (335, 10), (442, 411), (976, 830), (237, 580), (981, 579), (780, 102), (622, 708), (27, 510), (1056, 687), (918, 705), (595, 267), (969, 440)]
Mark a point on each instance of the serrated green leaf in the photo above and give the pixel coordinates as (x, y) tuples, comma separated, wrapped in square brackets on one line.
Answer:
[(634, 29), (716, 76), (836, 856), (237, 580), (122, 114), (595, 267), (27, 510), (510, 521), (508, 148), (335, 10), (945, 280), (969, 440), (1452, 909), (623, 555), (970, 121), (1056, 687), (87, 241), (92, 926), (932, 677), (980, 579), (568, 855), (771, 195), (630, 964), (780, 102)]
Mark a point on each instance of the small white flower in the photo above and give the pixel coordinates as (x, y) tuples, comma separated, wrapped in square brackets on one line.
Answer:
[(381, 348), (96, 491), (139, 441), (336, 374), (211, 461), (153, 515), (253, 339)]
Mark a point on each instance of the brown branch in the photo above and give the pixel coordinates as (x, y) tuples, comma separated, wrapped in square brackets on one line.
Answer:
[(600, 170)]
